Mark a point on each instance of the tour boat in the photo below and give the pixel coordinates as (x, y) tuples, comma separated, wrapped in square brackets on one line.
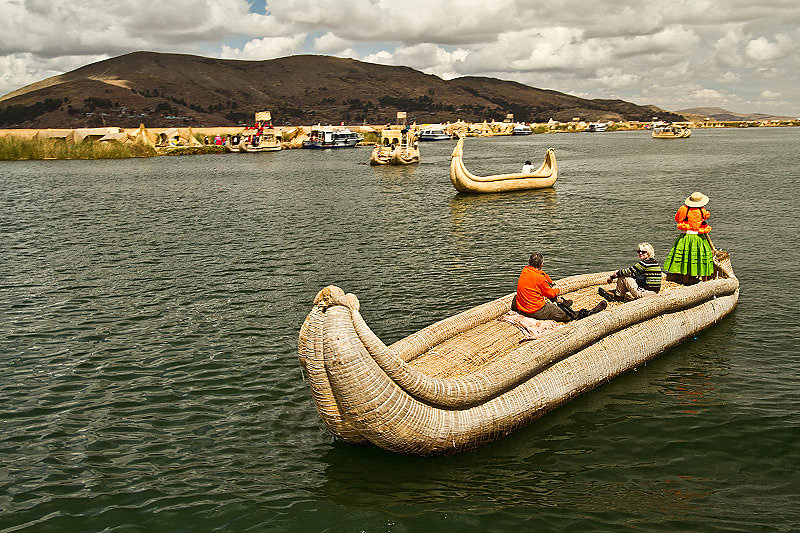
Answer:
[(330, 137), (521, 129), (481, 374), (434, 133)]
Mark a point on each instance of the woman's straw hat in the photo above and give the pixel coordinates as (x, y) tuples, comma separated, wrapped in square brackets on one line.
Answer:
[(697, 199)]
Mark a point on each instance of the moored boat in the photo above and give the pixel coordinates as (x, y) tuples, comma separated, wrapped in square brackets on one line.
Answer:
[(435, 132), (522, 129), (330, 137), (396, 147), (597, 127), (464, 181), (260, 137), (670, 131), (476, 376)]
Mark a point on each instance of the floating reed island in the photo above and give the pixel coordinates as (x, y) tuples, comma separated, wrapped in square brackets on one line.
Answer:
[(479, 375)]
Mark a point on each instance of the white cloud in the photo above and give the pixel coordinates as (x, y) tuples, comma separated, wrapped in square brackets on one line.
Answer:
[(266, 48), (331, 44), (726, 48), (762, 49), (769, 94), (730, 77), (597, 49), (615, 78)]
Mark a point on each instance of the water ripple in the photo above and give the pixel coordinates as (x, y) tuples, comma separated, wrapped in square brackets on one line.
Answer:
[(150, 312)]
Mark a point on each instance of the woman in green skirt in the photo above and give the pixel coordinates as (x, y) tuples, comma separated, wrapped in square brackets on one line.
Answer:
[(692, 255)]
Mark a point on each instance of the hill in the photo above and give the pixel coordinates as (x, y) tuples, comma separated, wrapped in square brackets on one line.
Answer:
[(179, 90), (717, 113)]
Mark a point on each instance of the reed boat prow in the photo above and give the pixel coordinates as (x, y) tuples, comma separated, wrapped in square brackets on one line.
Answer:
[(472, 378), (465, 181)]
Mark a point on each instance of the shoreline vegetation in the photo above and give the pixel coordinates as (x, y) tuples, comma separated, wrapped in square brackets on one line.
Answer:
[(117, 143), (20, 149)]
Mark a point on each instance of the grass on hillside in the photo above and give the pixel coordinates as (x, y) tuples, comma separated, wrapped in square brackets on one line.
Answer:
[(15, 149)]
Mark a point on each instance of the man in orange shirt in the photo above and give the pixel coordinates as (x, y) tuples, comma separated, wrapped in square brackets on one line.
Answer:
[(534, 286)]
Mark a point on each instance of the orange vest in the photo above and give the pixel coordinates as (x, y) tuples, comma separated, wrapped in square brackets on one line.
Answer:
[(693, 219), (533, 286)]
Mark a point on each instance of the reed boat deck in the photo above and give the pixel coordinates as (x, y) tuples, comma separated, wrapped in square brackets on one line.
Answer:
[(472, 350)]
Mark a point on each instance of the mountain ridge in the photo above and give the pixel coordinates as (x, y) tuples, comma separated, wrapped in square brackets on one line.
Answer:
[(162, 89), (718, 113)]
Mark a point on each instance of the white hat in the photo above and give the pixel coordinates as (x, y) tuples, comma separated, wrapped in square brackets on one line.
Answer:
[(697, 199)]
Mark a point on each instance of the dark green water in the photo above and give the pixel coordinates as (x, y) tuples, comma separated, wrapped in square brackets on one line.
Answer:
[(149, 313)]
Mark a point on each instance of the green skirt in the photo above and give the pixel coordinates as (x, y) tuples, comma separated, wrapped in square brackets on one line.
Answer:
[(691, 255)]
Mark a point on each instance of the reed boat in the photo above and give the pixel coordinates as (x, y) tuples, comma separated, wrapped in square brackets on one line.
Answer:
[(396, 147), (671, 131), (465, 181), (257, 139), (474, 377)]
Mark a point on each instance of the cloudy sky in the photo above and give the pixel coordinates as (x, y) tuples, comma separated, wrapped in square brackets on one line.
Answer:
[(741, 55)]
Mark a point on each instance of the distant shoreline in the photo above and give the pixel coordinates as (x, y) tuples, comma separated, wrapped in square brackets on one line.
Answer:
[(117, 143)]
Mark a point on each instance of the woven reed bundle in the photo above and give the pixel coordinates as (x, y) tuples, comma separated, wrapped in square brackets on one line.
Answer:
[(368, 391)]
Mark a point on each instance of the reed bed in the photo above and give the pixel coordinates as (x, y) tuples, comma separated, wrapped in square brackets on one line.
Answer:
[(15, 149)]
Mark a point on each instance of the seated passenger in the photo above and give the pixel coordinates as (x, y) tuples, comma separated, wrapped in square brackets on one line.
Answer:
[(527, 168), (534, 285), (641, 279)]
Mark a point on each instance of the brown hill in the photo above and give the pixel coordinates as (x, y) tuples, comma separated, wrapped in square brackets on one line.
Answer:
[(717, 113), (175, 90)]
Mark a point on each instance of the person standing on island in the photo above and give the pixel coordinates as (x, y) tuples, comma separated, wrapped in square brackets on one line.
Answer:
[(534, 285), (692, 256), (642, 279), (527, 168)]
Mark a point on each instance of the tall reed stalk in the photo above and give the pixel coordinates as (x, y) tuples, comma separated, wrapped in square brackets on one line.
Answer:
[(15, 148)]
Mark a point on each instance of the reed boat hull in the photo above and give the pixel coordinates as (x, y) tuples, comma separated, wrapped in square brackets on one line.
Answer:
[(370, 393), (397, 156), (255, 149), (464, 181), (672, 133)]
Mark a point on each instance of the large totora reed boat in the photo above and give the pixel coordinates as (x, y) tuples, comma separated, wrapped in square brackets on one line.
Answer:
[(464, 181), (476, 376)]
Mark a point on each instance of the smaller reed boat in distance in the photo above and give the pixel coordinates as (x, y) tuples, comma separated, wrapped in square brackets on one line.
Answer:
[(670, 131), (260, 137), (464, 181), (474, 377), (257, 139), (396, 147)]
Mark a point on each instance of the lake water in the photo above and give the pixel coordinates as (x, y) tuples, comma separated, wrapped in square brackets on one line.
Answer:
[(150, 309)]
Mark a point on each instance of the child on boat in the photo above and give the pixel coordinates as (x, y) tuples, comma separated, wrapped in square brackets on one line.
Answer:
[(692, 255), (641, 279)]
